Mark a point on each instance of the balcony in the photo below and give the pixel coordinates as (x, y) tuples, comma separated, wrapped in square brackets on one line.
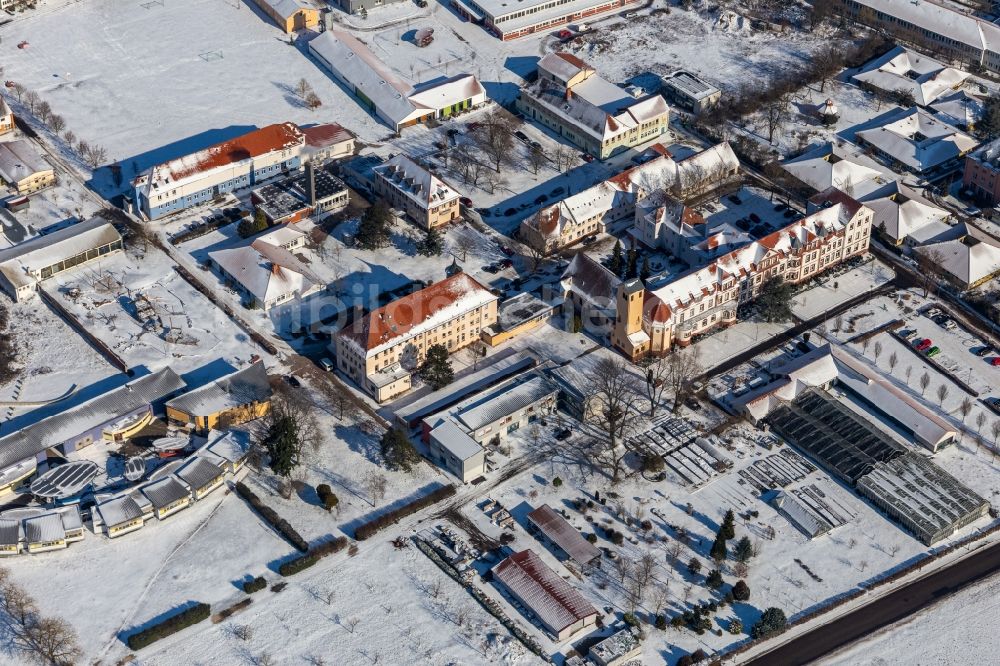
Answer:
[(727, 314)]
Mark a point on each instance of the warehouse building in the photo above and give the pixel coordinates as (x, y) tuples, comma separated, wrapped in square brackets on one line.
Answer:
[(453, 448), (567, 538), (24, 266), (557, 605)]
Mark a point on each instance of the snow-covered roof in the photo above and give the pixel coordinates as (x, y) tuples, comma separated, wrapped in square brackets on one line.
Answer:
[(19, 262), (231, 445), (282, 235), (556, 603), (558, 530), (118, 510), (19, 160), (243, 387), (243, 148), (165, 491), (905, 213), (58, 428), (918, 140), (616, 192), (811, 524), (690, 85), (490, 407), (970, 257), (416, 182), (4, 109), (827, 363), (959, 109), (198, 472), (286, 9), (594, 104), (442, 94), (456, 441), (839, 165), (615, 648), (904, 70), (706, 165), (691, 286), (941, 20), (266, 270), (591, 281), (415, 313), (41, 529)]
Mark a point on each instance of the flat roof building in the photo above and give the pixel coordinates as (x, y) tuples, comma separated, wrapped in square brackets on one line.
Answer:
[(452, 448), (517, 315), (23, 267), (314, 192), (690, 92), (510, 21)]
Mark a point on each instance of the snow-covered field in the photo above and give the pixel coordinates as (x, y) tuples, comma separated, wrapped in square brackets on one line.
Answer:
[(957, 630)]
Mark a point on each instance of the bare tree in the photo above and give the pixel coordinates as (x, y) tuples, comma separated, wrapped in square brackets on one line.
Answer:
[(537, 159), (682, 368), (925, 381), (775, 114), (624, 568), (495, 136), (658, 375), (375, 485), (350, 623), (995, 429), (313, 101), (302, 88), (909, 371), (929, 264), (942, 393), (827, 64), (70, 138), (57, 123), (610, 406), (659, 595), (980, 422), (893, 361), (877, 351), (48, 641), (32, 99), (44, 111), (965, 408)]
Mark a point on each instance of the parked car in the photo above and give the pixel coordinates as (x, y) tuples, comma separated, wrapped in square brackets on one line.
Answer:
[(755, 218), (491, 268), (735, 199), (778, 207), (521, 135), (587, 157), (932, 312), (326, 364), (506, 249), (934, 351), (452, 131), (293, 381), (559, 190), (995, 361), (790, 212), (985, 350), (564, 34), (421, 3), (505, 263), (541, 198), (590, 239), (564, 434), (908, 335), (923, 344), (950, 324), (693, 404), (993, 403), (465, 201)]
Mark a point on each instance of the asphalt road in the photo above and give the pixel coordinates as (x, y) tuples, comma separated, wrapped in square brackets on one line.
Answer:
[(884, 611)]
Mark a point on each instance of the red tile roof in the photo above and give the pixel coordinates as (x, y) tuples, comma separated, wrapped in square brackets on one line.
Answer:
[(253, 144), (573, 60), (399, 317), (556, 603), (321, 136)]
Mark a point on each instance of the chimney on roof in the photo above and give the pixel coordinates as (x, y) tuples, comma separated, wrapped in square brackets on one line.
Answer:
[(311, 183), (569, 93)]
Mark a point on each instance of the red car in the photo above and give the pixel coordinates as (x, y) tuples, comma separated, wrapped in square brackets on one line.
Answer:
[(995, 361), (564, 34), (924, 344)]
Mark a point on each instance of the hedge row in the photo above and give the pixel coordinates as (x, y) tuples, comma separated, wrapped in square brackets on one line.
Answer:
[(255, 585), (301, 563), (171, 625), (373, 526), (272, 517), (329, 547)]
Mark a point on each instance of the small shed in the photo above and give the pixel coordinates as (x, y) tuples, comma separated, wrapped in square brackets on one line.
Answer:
[(424, 37), (168, 496)]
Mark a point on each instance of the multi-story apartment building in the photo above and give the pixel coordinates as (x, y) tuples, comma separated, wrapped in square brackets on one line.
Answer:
[(570, 98), (981, 173), (231, 165), (935, 27), (610, 205), (378, 350), (6, 117), (409, 187), (650, 319), (510, 20), (600, 208)]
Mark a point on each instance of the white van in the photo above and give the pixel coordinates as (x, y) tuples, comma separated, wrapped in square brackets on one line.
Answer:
[(326, 364)]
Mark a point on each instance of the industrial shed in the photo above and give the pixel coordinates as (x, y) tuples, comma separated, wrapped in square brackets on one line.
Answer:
[(558, 530), (560, 608)]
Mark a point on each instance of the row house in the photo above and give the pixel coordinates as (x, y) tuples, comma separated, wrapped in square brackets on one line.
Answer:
[(652, 318), (378, 350)]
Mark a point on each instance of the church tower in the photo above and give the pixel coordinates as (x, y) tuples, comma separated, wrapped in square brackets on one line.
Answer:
[(628, 336)]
